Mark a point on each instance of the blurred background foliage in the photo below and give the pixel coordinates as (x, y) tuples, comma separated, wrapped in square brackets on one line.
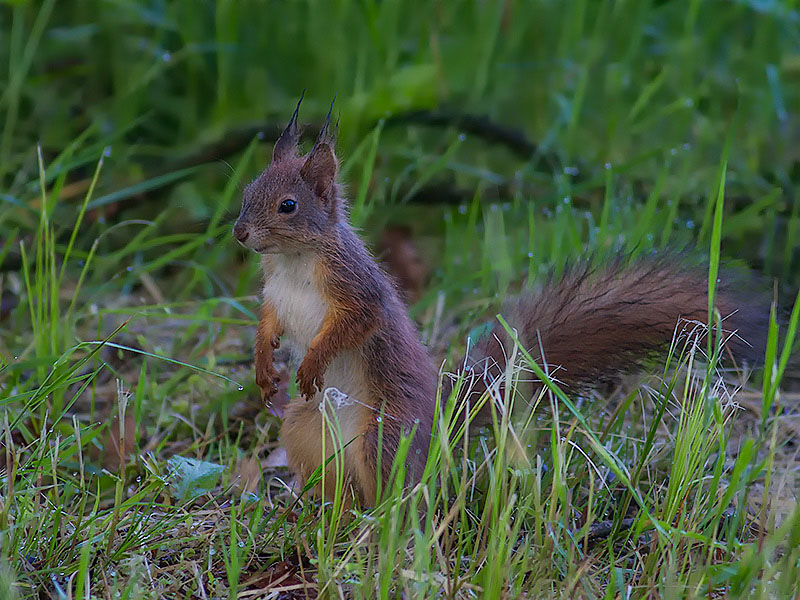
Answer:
[(508, 137), (501, 138), (605, 93)]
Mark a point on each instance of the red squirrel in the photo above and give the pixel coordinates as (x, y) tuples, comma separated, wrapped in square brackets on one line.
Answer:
[(343, 318)]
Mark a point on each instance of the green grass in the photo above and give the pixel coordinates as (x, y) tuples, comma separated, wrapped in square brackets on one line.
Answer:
[(133, 443)]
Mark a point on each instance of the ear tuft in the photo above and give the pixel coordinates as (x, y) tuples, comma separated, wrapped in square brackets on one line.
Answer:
[(286, 145), (328, 134), (320, 168)]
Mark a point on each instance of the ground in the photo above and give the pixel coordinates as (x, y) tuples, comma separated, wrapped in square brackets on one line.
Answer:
[(486, 144)]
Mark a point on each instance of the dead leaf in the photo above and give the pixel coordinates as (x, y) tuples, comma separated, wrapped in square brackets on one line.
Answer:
[(399, 254), (112, 456), (284, 578), (249, 475), (277, 459)]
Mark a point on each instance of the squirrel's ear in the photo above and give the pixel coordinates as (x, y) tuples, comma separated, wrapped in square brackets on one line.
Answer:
[(286, 145), (319, 170)]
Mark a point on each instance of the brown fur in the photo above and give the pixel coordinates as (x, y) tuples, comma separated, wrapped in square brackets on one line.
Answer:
[(364, 319), (302, 420), (343, 316)]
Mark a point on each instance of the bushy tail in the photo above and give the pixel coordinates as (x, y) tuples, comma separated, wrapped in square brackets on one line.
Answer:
[(596, 322)]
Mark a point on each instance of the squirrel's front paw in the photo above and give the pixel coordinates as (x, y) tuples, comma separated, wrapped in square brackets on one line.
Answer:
[(309, 377), (269, 391), (267, 379)]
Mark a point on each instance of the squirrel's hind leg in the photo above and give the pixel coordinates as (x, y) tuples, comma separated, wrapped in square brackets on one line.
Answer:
[(301, 434)]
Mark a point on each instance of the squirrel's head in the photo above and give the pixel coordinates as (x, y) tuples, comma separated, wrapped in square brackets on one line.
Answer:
[(295, 201)]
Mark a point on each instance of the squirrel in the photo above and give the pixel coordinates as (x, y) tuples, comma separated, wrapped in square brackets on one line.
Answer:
[(344, 320)]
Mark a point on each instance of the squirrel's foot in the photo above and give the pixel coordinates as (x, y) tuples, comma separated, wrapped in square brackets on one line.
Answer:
[(310, 376)]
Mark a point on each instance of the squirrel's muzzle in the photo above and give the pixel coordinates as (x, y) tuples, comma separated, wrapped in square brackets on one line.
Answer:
[(241, 232)]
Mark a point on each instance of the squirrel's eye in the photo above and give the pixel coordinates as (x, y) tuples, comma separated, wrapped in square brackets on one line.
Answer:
[(287, 206)]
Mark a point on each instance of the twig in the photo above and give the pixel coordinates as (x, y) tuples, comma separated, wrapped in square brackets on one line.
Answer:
[(602, 529)]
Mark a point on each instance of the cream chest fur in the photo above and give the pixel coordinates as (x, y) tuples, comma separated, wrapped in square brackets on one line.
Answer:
[(290, 285)]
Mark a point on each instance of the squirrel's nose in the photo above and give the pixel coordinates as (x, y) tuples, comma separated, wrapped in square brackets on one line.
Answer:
[(240, 232)]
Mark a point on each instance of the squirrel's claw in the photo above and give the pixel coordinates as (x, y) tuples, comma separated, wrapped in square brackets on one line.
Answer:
[(309, 379), (269, 390), (267, 380)]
